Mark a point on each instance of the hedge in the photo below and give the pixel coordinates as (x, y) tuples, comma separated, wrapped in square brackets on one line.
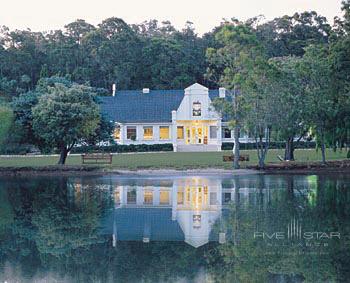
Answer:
[(273, 145), (124, 148)]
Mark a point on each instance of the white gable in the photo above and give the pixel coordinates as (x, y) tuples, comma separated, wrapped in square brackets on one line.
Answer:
[(196, 87), (196, 93)]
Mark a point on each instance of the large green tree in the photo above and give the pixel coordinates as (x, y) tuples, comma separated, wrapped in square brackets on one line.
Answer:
[(320, 102), (64, 116), (234, 64), (288, 90)]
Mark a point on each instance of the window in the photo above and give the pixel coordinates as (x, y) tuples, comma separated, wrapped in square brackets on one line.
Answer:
[(226, 133), (117, 196), (131, 133), (148, 197), (226, 198), (213, 132), (213, 199), (164, 197), (117, 133), (148, 133), (131, 196), (180, 196), (180, 132), (197, 109), (164, 133)]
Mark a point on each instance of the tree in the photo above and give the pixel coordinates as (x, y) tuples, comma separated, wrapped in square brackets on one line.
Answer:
[(78, 29), (339, 134), (259, 97), (65, 116), (320, 102), (103, 132), (288, 100), (289, 35), (230, 65), (6, 118)]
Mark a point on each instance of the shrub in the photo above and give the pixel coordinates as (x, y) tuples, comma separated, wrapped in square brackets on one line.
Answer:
[(124, 148), (273, 145)]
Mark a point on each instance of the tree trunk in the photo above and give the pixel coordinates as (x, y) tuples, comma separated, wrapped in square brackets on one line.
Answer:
[(261, 163), (323, 150), (263, 147), (63, 155), (289, 150), (236, 148)]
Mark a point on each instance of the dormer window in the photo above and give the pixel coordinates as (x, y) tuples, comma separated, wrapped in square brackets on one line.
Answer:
[(197, 109)]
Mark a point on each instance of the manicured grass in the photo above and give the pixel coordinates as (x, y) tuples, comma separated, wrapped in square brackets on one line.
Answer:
[(179, 160)]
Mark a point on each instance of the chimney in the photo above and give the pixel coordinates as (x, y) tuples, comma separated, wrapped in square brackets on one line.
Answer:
[(113, 89), (145, 90), (222, 92)]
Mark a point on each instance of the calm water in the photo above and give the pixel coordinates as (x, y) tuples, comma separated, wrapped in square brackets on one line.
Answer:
[(252, 228)]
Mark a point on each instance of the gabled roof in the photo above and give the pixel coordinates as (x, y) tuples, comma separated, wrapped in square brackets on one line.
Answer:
[(133, 106)]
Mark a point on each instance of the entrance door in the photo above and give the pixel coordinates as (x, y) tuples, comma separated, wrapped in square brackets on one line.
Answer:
[(194, 135), (197, 134)]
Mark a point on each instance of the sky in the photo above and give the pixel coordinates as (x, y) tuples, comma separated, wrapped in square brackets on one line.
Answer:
[(44, 15)]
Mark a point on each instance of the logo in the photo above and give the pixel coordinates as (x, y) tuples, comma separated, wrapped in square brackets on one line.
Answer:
[(295, 231)]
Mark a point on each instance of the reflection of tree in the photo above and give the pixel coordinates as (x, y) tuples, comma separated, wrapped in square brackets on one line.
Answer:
[(257, 260), (155, 262), (49, 225), (63, 225)]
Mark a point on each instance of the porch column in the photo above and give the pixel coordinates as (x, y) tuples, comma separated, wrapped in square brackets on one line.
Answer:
[(122, 134), (174, 130), (156, 196), (123, 195), (219, 135), (174, 201), (139, 133), (139, 196), (156, 130)]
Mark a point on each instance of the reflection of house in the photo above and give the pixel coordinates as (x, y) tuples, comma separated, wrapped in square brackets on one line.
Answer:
[(181, 117), (186, 211), (189, 209)]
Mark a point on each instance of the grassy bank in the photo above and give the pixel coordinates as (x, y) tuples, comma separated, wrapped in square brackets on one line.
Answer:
[(179, 160)]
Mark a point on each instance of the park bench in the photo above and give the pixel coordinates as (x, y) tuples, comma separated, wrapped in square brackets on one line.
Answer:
[(242, 157), (97, 158)]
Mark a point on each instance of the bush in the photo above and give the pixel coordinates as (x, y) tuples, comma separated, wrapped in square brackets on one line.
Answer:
[(124, 148), (348, 155)]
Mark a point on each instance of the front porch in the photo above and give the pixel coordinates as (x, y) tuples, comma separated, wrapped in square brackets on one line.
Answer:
[(197, 135)]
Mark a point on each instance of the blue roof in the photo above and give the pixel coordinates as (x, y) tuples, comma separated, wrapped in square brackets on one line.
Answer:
[(132, 224), (133, 106)]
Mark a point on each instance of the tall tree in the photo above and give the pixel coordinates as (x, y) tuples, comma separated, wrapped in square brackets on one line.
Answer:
[(288, 100), (65, 116), (315, 69), (230, 65)]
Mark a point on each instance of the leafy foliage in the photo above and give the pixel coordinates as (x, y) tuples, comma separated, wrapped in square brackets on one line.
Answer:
[(65, 116)]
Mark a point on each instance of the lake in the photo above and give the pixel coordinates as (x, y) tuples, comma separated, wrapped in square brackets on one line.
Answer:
[(247, 228)]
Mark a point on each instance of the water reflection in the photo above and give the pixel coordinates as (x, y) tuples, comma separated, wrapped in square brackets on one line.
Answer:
[(201, 229)]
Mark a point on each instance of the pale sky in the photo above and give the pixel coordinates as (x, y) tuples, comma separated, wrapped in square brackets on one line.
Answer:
[(42, 15)]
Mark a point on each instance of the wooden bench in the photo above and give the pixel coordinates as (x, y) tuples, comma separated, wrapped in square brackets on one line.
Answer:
[(242, 157), (97, 158)]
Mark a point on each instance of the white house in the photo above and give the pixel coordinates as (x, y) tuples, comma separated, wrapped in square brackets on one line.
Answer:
[(183, 118)]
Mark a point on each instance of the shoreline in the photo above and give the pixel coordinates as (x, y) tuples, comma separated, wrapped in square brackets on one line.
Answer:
[(55, 170)]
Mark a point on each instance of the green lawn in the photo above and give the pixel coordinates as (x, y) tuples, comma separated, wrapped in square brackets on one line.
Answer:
[(179, 160)]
